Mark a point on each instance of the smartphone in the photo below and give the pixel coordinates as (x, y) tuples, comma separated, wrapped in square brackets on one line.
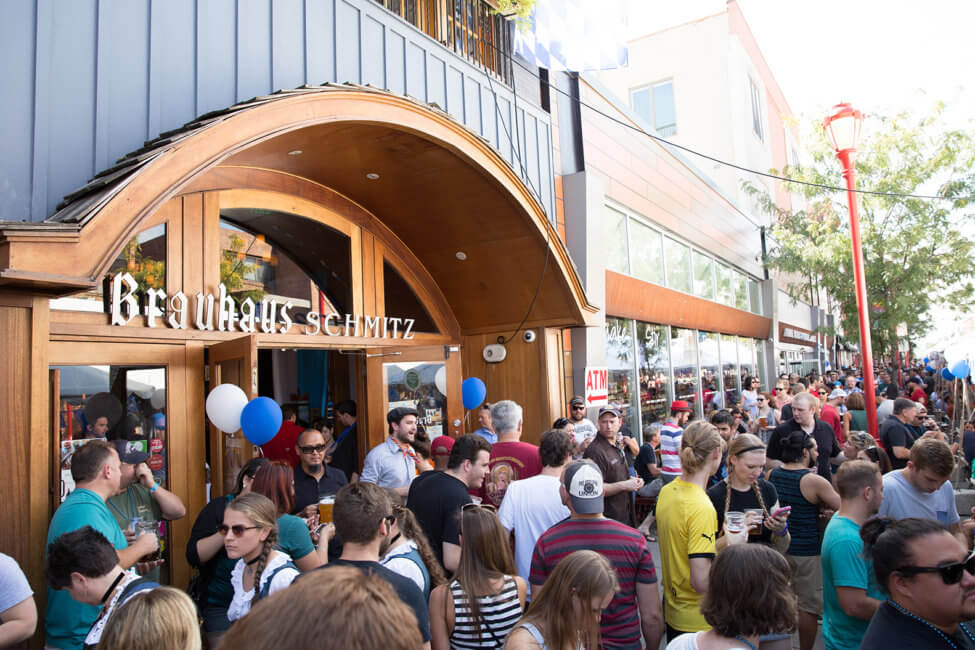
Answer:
[(782, 511)]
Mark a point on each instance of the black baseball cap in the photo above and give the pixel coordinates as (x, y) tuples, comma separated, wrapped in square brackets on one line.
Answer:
[(398, 413), (130, 452)]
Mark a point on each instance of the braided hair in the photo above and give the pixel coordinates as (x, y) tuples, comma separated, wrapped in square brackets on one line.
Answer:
[(262, 512), (411, 530), (743, 444)]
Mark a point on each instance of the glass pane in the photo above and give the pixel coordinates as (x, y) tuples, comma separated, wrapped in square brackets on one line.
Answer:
[(726, 290), (641, 104), (746, 360), (622, 370), (761, 366), (143, 257), (665, 117), (401, 301), (741, 291), (683, 348), (653, 357), (647, 263), (754, 297), (730, 380), (615, 241), (703, 276), (711, 398), (116, 403), (678, 265), (415, 385)]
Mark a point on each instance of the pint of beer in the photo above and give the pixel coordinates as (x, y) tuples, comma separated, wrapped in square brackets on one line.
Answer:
[(325, 505), (762, 422)]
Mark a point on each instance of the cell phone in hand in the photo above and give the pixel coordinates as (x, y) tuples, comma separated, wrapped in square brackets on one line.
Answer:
[(782, 511)]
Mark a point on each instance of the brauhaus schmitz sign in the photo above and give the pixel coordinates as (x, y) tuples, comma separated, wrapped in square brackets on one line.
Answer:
[(222, 313)]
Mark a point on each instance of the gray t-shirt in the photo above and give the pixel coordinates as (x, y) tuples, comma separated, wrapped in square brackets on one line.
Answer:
[(903, 500), (14, 588)]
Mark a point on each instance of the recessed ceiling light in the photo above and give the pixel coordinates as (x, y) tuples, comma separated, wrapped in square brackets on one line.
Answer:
[(295, 152), (372, 176), (461, 255)]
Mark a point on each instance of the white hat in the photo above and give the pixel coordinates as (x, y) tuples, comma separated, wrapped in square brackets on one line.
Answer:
[(837, 392), (584, 483)]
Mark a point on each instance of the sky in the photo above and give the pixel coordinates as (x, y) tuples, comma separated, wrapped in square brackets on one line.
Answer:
[(883, 57)]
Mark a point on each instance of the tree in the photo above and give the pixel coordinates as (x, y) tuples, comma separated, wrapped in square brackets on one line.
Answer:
[(915, 253)]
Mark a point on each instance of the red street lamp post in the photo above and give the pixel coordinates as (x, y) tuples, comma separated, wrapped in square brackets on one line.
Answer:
[(843, 129)]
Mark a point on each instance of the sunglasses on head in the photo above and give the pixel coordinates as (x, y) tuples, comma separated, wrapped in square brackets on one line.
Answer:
[(473, 506), (237, 529), (950, 573), (313, 449)]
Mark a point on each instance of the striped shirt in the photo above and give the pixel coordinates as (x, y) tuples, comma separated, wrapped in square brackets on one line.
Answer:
[(498, 614), (626, 550), (804, 518), (670, 436)]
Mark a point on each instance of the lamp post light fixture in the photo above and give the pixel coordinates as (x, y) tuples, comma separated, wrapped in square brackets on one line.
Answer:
[(843, 129)]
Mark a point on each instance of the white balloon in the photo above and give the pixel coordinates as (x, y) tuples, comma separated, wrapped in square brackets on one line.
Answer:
[(224, 406), (158, 399), (440, 379)]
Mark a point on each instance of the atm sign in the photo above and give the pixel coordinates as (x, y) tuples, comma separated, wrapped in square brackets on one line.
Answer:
[(597, 386)]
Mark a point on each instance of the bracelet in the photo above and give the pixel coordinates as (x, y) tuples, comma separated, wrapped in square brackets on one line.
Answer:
[(785, 531), (155, 486)]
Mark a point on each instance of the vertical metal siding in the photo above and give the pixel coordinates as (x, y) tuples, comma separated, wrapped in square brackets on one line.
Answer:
[(89, 80)]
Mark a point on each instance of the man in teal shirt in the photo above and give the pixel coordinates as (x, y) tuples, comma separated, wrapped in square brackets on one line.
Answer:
[(850, 593), (97, 472)]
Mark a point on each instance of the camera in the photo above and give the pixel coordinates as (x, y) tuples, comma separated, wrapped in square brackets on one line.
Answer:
[(529, 336)]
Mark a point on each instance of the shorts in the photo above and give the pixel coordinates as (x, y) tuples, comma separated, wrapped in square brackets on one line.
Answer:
[(808, 582)]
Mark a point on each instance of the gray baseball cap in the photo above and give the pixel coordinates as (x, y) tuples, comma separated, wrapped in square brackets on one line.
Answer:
[(584, 483)]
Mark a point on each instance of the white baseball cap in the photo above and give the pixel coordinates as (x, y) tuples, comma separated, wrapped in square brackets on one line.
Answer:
[(584, 483)]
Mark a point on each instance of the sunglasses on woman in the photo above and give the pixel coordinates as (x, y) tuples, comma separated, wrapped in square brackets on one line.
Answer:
[(950, 573), (237, 529), (472, 506)]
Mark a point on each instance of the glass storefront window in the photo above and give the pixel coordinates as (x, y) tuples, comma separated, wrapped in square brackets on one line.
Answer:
[(754, 297), (416, 385), (646, 261), (622, 372), (746, 359), (762, 367), (711, 397), (741, 291), (678, 259), (726, 289), (703, 275), (653, 360), (683, 350), (615, 242), (401, 301), (730, 380)]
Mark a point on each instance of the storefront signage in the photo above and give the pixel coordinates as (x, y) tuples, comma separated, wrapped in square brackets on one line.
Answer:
[(271, 318), (597, 386), (791, 334)]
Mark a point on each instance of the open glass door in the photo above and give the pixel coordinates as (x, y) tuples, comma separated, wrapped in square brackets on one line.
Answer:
[(231, 362)]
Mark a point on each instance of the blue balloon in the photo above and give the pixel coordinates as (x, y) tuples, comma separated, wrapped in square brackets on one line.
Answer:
[(926, 360), (961, 369), (945, 373), (473, 391), (929, 368), (260, 420)]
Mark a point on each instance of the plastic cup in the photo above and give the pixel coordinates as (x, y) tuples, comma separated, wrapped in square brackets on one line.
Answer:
[(325, 505), (734, 522), (141, 527), (755, 517)]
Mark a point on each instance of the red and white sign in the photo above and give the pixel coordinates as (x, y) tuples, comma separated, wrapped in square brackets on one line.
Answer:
[(597, 386)]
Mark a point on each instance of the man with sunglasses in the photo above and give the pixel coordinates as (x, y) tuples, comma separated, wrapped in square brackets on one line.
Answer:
[(314, 478), (585, 430)]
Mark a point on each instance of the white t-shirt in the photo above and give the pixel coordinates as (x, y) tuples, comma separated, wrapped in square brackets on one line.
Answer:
[(14, 588), (689, 642), (529, 508), (403, 566), (95, 633), (241, 604), (584, 430)]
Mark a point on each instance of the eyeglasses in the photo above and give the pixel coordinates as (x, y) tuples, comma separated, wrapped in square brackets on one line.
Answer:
[(950, 573), (760, 399), (313, 449), (237, 529)]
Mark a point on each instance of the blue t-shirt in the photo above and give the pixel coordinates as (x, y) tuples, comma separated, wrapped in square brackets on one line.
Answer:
[(293, 537), (66, 621), (844, 565), (903, 500)]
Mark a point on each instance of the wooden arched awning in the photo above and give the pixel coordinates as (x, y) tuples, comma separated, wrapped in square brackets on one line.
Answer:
[(442, 190)]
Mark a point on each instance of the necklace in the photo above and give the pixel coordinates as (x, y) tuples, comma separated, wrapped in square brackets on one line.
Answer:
[(944, 636), (745, 641)]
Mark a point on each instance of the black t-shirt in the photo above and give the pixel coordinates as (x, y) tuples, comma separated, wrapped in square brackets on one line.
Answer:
[(346, 454), (826, 441), (890, 629), (786, 412), (741, 501), (436, 499), (308, 490), (405, 588), (647, 456), (894, 433)]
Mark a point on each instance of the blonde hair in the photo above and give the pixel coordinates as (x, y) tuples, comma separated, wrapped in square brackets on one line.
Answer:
[(697, 443), (744, 443), (262, 512), (163, 618)]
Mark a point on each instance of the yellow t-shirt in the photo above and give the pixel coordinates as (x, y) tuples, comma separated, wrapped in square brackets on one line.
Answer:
[(687, 525)]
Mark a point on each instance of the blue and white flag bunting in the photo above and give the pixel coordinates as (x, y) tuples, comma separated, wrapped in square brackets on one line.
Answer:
[(575, 35)]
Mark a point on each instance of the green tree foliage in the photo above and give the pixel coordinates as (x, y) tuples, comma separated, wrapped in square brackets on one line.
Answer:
[(916, 253), (234, 268)]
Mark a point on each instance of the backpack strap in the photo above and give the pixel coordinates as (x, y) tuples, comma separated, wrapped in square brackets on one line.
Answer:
[(142, 584), (266, 587)]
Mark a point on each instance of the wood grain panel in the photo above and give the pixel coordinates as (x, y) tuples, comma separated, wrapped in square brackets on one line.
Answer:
[(192, 231), (628, 297)]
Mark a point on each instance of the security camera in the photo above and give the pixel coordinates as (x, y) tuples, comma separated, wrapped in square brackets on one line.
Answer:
[(529, 336)]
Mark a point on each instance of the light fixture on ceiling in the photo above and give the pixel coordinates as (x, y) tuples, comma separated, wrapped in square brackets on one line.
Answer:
[(295, 152), (461, 255), (373, 176)]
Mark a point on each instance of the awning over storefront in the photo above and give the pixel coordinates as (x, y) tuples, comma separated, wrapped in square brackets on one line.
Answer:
[(444, 192)]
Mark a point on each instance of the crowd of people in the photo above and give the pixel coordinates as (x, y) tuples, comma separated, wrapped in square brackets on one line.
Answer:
[(771, 515)]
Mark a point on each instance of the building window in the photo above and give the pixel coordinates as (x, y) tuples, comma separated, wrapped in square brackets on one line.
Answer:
[(741, 292), (683, 350), (703, 275), (726, 289), (617, 258), (622, 372), (678, 257), (655, 104), (756, 109), (707, 345), (653, 361), (646, 263), (754, 297), (730, 379)]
